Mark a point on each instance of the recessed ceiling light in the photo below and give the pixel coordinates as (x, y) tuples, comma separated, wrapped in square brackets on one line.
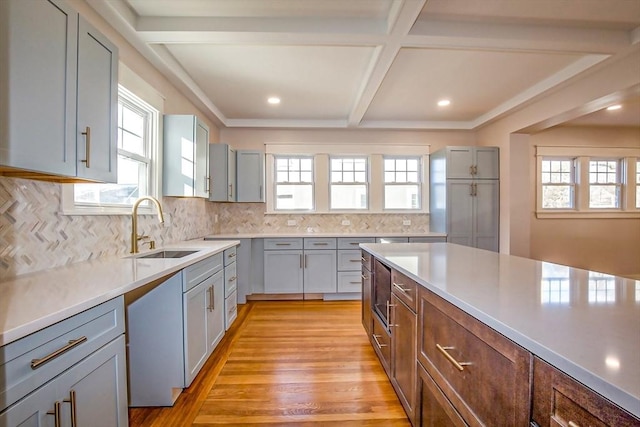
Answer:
[(443, 103), (614, 107), (273, 100)]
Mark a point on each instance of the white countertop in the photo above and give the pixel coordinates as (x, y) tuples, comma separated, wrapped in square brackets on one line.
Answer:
[(592, 335), (317, 234), (34, 301)]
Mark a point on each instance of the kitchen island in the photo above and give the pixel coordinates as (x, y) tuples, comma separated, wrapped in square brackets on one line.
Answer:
[(583, 323)]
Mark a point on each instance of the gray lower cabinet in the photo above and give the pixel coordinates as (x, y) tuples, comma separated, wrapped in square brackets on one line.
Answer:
[(307, 266), (79, 364), (59, 118), (172, 330)]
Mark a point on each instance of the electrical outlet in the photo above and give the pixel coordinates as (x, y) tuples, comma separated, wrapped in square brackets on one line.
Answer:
[(406, 222), (292, 222), (346, 222)]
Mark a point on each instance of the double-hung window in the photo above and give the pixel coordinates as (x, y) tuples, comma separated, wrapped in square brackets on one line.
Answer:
[(604, 183), (558, 183), (294, 183), (402, 183), (137, 125), (349, 183)]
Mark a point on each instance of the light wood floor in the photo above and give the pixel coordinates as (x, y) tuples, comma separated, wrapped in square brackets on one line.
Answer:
[(287, 364)]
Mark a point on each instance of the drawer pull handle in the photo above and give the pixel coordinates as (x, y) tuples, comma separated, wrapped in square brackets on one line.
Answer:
[(56, 414), (572, 424), (354, 260), (36, 363), (354, 283), (354, 243), (459, 365), (321, 244), (375, 338), (72, 400), (363, 259), (233, 279), (283, 244), (400, 288), (87, 136), (364, 277), (232, 255)]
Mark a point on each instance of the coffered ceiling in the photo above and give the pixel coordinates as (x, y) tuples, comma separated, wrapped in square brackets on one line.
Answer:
[(371, 63)]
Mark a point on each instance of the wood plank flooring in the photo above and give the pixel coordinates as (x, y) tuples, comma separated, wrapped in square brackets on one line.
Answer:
[(287, 363)]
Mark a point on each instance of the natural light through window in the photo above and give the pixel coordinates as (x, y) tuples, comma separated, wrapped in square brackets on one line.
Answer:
[(349, 183), (294, 183), (555, 284), (604, 184), (602, 288), (402, 183), (557, 177), (135, 156)]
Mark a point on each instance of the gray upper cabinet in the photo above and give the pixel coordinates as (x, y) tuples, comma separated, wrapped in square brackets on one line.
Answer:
[(250, 176), (464, 195), (471, 162), (58, 94), (222, 169), (186, 156)]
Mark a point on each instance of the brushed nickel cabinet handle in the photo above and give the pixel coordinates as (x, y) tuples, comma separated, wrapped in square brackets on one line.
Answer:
[(233, 279), (471, 189), (72, 400), (87, 141), (36, 363), (363, 259), (471, 170), (375, 338), (364, 277), (320, 244), (354, 243), (232, 255), (283, 244), (305, 261), (572, 424), (459, 365), (354, 260), (56, 414), (355, 283), (400, 288), (301, 261)]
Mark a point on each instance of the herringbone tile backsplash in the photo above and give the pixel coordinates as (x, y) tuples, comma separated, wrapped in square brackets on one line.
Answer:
[(35, 235)]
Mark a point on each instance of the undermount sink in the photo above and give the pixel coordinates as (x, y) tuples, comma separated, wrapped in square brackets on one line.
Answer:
[(168, 254)]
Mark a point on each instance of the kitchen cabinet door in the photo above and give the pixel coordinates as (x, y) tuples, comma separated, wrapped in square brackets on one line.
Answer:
[(486, 212), (195, 311), (434, 408), (283, 273), (249, 176), (215, 312), (472, 162), (186, 156), (460, 212), (403, 354), (366, 296), (320, 271), (222, 169), (97, 105)]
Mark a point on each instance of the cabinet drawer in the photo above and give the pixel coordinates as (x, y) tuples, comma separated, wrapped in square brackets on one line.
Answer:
[(367, 260), (434, 409), (229, 256), (349, 281), (282, 244), (381, 341), (320, 243), (559, 400), (230, 279), (405, 289), (353, 242), (349, 260), (80, 335), (200, 271), (487, 361), (230, 309)]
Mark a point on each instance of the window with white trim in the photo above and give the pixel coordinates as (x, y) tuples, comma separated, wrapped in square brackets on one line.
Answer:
[(604, 183), (137, 149), (294, 183), (349, 183), (587, 182), (402, 183), (558, 182)]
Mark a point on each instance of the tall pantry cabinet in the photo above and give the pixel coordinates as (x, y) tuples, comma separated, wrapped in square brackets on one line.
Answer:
[(464, 196)]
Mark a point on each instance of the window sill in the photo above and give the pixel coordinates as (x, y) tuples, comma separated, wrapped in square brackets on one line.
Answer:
[(603, 214), (346, 212), (104, 210)]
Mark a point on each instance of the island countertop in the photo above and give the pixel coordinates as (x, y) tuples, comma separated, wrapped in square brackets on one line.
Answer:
[(585, 323), (35, 301)]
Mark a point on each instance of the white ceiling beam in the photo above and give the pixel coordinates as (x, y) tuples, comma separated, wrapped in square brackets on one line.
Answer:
[(262, 38), (516, 37), (382, 61), (274, 123)]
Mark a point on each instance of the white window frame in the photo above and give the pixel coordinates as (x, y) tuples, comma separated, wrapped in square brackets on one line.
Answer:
[(385, 183), (571, 184), (628, 160), (321, 152), (70, 207), (333, 184), (617, 185), (276, 183)]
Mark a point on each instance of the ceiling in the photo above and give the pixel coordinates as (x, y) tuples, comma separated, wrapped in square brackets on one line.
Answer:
[(373, 63)]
